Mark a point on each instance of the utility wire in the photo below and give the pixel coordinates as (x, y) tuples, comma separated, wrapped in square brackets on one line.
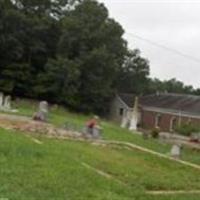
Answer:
[(164, 47)]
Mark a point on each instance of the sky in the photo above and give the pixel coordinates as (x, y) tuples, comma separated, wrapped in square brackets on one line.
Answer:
[(166, 32)]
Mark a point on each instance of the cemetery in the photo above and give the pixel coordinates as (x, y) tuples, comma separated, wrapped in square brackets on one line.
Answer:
[(60, 135), (91, 108)]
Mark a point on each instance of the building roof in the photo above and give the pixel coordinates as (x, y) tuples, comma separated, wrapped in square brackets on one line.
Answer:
[(169, 101), (128, 99), (177, 102)]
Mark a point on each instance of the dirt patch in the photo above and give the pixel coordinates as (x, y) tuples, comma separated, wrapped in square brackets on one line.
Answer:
[(27, 125)]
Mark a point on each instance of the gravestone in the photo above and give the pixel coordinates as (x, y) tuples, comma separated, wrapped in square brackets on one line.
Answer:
[(176, 151), (7, 103), (96, 133), (125, 121), (134, 117), (42, 113), (92, 133), (43, 107), (195, 137), (1, 99)]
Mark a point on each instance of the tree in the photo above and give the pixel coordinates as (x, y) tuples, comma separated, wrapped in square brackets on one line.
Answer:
[(96, 81), (26, 39), (90, 36), (133, 75), (59, 82), (14, 79), (171, 86), (71, 52)]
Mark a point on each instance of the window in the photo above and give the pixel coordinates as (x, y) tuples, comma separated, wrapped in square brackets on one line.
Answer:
[(121, 111), (157, 121), (173, 123)]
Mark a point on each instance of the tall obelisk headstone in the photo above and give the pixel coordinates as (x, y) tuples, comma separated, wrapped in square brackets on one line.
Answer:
[(134, 117)]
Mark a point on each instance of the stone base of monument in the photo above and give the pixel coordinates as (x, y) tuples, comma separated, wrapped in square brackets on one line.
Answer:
[(96, 133), (195, 137), (40, 116), (8, 110), (92, 133)]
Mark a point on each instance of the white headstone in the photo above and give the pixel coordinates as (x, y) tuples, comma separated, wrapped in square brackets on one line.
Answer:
[(133, 123), (7, 103), (1, 99), (176, 151)]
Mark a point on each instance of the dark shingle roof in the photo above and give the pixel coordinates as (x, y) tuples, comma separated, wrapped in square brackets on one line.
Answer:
[(170, 101), (178, 102), (128, 99)]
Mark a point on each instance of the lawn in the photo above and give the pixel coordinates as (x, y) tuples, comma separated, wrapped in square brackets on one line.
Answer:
[(59, 116), (57, 170), (61, 170)]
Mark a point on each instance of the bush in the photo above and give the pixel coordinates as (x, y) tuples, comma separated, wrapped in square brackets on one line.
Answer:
[(187, 129), (155, 132)]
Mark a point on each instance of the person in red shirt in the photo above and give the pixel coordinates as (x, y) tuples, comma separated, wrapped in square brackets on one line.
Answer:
[(91, 124)]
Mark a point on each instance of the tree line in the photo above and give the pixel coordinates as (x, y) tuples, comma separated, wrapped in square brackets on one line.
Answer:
[(71, 52)]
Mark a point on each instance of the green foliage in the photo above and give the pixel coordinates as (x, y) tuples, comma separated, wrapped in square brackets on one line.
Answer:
[(155, 133), (187, 129), (59, 82), (133, 76), (15, 79), (172, 86), (95, 40), (96, 82), (70, 52), (66, 52)]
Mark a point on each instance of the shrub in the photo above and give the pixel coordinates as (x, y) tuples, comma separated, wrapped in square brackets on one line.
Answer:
[(187, 129), (155, 132)]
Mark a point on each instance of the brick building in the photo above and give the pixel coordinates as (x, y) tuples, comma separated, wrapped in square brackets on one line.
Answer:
[(164, 110)]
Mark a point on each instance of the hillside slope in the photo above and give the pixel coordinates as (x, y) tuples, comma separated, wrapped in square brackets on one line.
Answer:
[(41, 168)]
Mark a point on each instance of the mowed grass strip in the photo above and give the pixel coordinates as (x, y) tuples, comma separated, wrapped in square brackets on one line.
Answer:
[(54, 170)]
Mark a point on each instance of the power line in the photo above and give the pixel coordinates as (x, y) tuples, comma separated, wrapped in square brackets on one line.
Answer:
[(165, 47)]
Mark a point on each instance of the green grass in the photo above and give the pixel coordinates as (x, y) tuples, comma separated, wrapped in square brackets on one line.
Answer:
[(54, 170), (59, 116)]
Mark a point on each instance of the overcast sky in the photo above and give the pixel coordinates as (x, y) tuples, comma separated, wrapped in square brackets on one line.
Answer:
[(174, 24)]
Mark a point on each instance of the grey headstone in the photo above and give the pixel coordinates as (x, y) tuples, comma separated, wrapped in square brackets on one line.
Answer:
[(96, 132), (42, 113), (43, 107), (176, 151)]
